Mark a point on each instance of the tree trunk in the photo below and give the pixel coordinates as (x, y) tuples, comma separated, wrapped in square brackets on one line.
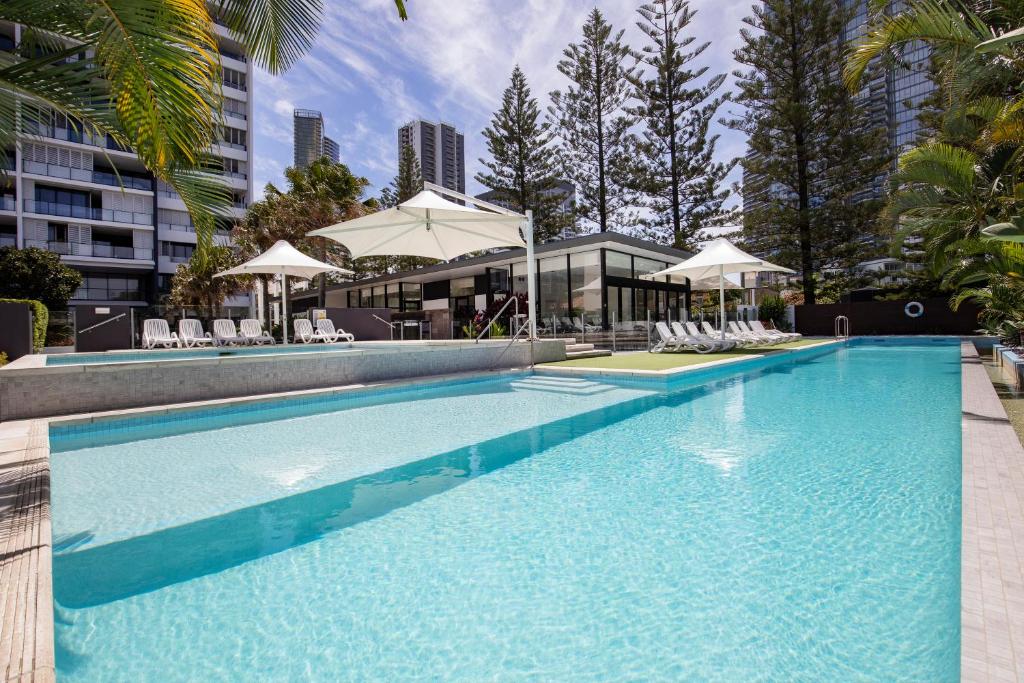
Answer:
[(265, 287), (602, 190), (677, 237), (804, 220), (321, 296)]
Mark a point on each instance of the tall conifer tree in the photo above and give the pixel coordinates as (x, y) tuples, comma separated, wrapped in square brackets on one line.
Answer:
[(522, 166), (593, 125), (676, 168), (816, 158)]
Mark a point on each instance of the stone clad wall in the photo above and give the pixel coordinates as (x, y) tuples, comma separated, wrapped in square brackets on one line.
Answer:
[(29, 392)]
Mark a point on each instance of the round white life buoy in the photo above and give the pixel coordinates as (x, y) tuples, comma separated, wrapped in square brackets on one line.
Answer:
[(914, 309)]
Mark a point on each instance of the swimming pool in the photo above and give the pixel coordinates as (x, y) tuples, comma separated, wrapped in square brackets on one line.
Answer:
[(102, 358), (797, 522)]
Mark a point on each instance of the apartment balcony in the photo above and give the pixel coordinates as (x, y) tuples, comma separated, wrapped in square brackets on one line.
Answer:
[(100, 251), (74, 135), (106, 294), (87, 176), (8, 202), (232, 145), (87, 213), (236, 115), (8, 240)]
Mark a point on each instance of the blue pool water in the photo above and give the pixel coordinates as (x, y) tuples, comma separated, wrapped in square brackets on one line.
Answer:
[(801, 522), (187, 354)]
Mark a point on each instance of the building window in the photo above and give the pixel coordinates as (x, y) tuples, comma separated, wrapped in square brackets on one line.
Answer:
[(98, 287), (586, 286), (618, 264), (366, 298), (412, 296), (554, 290), (176, 251), (644, 266), (394, 297), (378, 297), (519, 278)]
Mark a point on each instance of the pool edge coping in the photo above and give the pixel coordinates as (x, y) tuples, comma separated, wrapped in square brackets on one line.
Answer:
[(991, 617), (992, 535)]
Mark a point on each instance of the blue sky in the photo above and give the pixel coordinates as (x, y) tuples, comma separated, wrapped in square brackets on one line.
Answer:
[(369, 73)]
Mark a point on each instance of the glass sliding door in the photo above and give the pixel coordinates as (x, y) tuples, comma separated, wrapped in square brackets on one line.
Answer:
[(586, 286)]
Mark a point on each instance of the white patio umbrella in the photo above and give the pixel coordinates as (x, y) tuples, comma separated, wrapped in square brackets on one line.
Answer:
[(429, 225), (283, 259), (719, 258)]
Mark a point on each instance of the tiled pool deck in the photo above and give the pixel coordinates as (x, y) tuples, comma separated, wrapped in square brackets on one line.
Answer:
[(992, 565)]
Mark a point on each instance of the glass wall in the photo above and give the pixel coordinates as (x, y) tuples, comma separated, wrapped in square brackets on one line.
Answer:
[(643, 266), (586, 286), (412, 296), (618, 264), (554, 294), (519, 279), (394, 297)]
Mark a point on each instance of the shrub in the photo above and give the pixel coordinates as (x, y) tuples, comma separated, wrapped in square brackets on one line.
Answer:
[(773, 309), (40, 319), (3, 359), (37, 274)]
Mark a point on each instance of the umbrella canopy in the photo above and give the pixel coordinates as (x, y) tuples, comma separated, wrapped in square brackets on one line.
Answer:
[(720, 258), (711, 283), (426, 225), (283, 259)]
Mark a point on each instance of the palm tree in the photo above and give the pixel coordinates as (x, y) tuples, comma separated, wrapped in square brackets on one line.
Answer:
[(145, 73), (195, 283), (319, 195), (964, 183)]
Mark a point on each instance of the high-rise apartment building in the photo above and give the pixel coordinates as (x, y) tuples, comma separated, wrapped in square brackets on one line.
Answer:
[(82, 196), (308, 139), (440, 150)]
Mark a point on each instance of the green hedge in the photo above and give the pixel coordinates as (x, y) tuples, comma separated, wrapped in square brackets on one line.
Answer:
[(40, 319)]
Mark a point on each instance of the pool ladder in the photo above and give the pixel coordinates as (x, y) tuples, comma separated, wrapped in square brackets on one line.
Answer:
[(842, 327)]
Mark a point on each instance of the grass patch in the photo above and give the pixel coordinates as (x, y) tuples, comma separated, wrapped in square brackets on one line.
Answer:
[(642, 360)]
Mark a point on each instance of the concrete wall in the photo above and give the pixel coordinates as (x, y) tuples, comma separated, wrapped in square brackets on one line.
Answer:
[(888, 317), (30, 389), (15, 330)]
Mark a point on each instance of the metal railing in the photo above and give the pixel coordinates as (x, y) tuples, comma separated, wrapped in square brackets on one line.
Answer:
[(494, 318), (98, 250), (102, 323), (391, 326), (842, 327), (87, 212)]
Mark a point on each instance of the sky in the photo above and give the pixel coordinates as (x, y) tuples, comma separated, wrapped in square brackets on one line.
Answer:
[(369, 72)]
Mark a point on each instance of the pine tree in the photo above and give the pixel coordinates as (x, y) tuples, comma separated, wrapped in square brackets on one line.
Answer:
[(409, 181), (406, 185), (816, 160), (676, 171), (522, 167), (593, 126)]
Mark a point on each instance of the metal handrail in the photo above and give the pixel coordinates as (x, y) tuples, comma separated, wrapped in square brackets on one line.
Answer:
[(525, 325), (841, 327), (102, 322), (487, 327), (391, 326)]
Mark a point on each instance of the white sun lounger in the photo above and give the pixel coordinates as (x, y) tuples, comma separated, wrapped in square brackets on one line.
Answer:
[(673, 342), (716, 334), (191, 334), (758, 339), (302, 331), (156, 332), (325, 330), (254, 332), (224, 333), (758, 326), (690, 330), (772, 337)]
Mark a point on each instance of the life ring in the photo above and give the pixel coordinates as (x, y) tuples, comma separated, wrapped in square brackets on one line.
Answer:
[(914, 309)]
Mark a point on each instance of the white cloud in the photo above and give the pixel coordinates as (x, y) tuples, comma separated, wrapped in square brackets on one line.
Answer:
[(370, 72)]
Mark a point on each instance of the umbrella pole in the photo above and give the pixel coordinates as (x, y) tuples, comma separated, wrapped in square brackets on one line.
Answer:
[(721, 295), (284, 308), (531, 273)]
